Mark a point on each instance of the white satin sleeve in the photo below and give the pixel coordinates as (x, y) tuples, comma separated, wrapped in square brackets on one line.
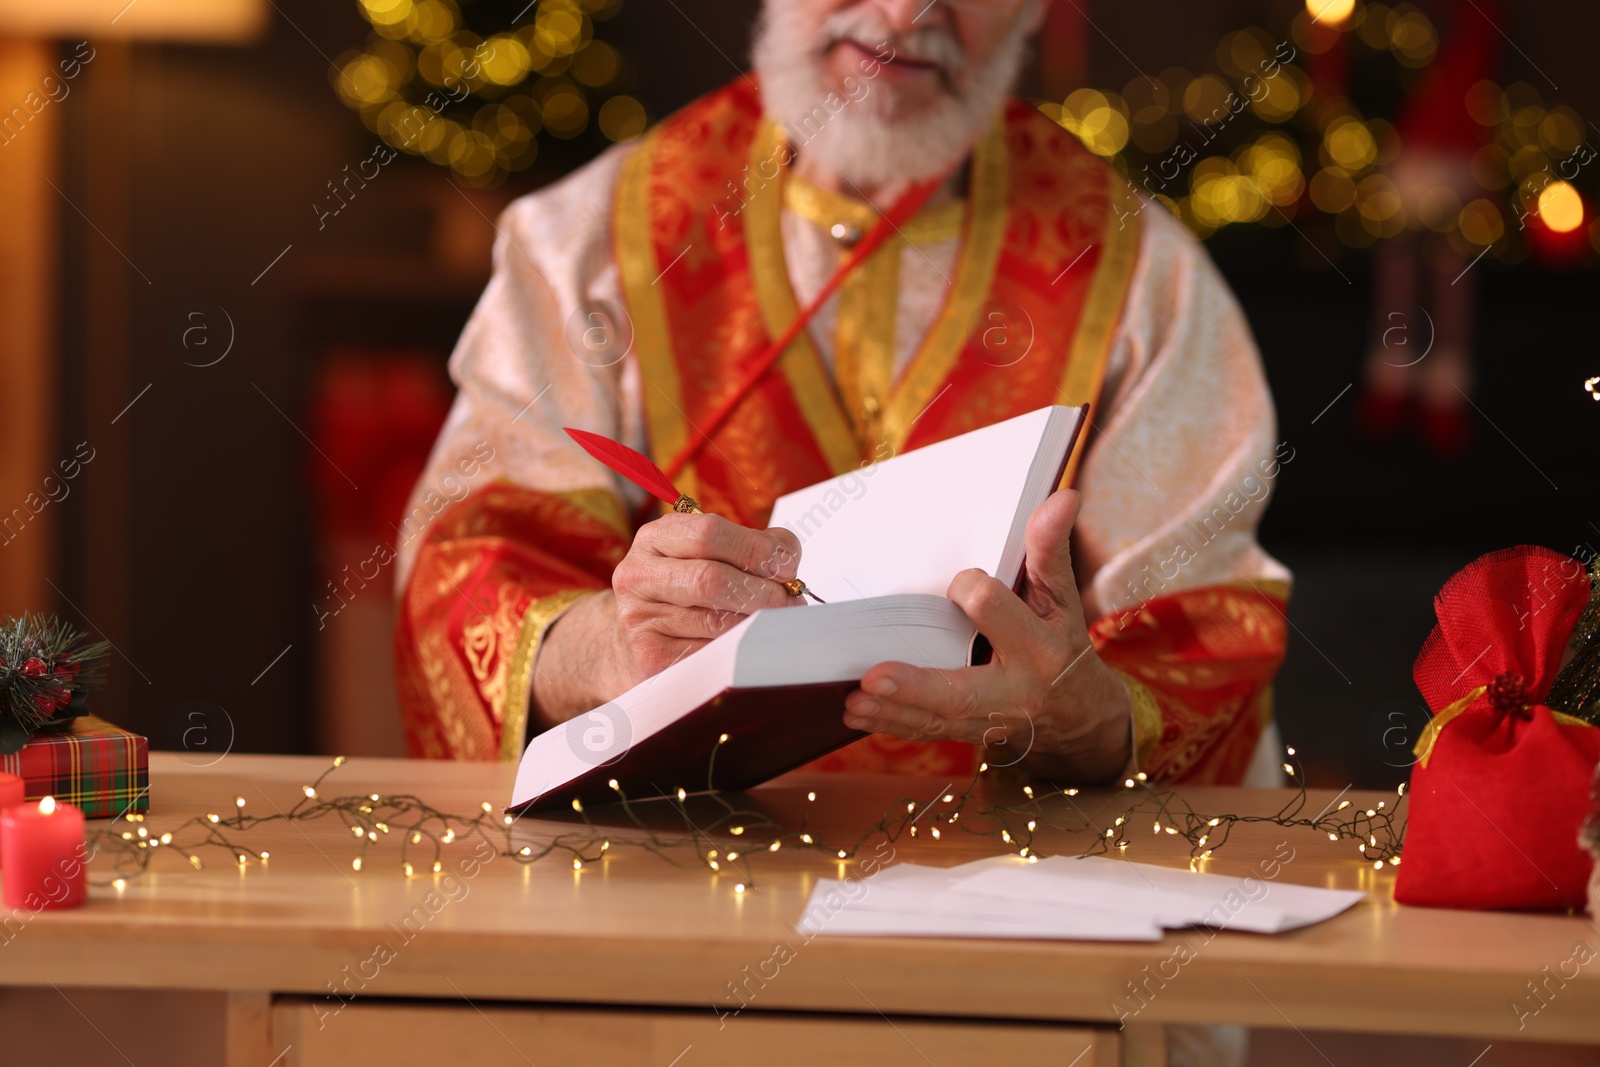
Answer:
[(1184, 453), (547, 346)]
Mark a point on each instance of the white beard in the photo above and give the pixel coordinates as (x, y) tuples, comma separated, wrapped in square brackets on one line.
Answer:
[(864, 142)]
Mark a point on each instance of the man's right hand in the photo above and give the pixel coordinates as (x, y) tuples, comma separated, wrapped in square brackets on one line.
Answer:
[(685, 580)]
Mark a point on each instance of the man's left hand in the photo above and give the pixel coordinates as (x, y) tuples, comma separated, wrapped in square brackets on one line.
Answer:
[(1045, 695)]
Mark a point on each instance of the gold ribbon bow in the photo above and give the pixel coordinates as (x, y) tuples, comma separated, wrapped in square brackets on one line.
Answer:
[(1430, 736)]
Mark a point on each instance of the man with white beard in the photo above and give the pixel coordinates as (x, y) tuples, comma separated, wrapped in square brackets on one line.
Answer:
[(1015, 270)]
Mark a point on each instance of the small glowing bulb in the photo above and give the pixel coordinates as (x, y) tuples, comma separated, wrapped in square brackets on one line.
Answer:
[(383, 827), (487, 807), (1343, 805), (338, 761), (1214, 822), (1371, 813), (1377, 865), (372, 835), (1362, 847), (356, 830), (613, 784), (1120, 820), (416, 838), (525, 851), (1032, 823), (309, 792), (936, 833), (1330, 12), (982, 767), (736, 830), (194, 861), (605, 845), (913, 831), (811, 796), (1203, 839), (119, 884), (1394, 861), (577, 864), (1024, 851), (1157, 828), (682, 794), (373, 798), (774, 846), (1072, 792), (1142, 776), (577, 805), (355, 864), (449, 836), (1027, 791), (143, 833), (805, 838), (739, 888), (1381, 803), (713, 854), (841, 853), (243, 859), (1032, 858), (1290, 750), (408, 869), (213, 818), (1333, 837), (166, 839), (1111, 833), (714, 866), (1288, 768), (507, 820), (1123, 845), (1005, 835), (1172, 829), (1127, 783), (732, 856), (238, 801), (1401, 791), (437, 866), (722, 740), (265, 856)]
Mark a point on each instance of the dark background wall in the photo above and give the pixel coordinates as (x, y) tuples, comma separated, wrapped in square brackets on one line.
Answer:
[(228, 148)]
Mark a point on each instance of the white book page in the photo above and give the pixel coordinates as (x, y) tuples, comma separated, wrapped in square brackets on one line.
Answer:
[(913, 522)]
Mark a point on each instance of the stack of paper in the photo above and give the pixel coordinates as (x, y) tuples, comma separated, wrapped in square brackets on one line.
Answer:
[(1062, 898)]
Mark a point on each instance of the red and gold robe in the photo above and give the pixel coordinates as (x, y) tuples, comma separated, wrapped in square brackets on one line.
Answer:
[(625, 299)]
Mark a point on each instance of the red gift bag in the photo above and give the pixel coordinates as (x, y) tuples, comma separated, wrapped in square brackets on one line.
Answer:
[(1500, 789)]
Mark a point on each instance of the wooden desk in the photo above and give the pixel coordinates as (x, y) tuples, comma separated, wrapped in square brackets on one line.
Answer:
[(629, 960)]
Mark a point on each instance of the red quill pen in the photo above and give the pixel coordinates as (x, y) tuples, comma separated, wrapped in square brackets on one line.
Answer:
[(638, 469)]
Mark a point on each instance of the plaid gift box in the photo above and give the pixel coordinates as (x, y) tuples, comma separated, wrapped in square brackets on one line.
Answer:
[(101, 769)]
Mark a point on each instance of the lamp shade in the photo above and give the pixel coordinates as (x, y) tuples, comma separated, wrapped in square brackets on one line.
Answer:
[(223, 21)]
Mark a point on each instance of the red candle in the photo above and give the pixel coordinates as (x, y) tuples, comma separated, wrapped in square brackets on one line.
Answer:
[(12, 792), (45, 852)]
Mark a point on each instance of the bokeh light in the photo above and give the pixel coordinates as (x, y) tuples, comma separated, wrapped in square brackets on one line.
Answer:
[(1560, 207)]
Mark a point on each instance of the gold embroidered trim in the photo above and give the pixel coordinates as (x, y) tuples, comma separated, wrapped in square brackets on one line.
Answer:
[(1102, 308), (864, 349), (974, 275), (519, 678), (824, 207), (634, 246), (814, 394), (1147, 721)]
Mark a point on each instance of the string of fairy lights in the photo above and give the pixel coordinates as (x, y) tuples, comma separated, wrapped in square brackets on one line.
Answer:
[(424, 832), (1259, 141)]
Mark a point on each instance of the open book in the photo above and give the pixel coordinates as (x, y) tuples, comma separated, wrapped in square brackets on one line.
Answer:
[(880, 545)]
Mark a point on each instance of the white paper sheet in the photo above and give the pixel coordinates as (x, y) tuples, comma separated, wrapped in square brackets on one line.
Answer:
[(1062, 898)]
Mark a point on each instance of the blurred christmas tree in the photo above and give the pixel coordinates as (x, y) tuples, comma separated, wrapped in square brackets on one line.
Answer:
[(478, 86), (1363, 119)]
